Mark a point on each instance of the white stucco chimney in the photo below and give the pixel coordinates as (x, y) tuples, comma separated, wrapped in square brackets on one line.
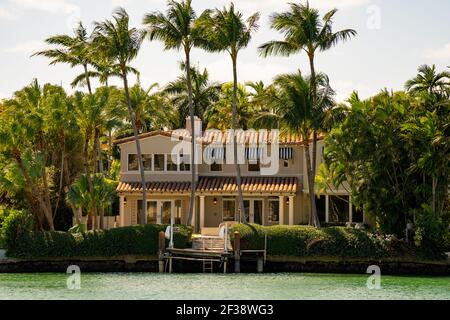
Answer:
[(197, 126)]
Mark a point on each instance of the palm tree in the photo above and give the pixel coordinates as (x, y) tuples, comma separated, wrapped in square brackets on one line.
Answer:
[(226, 30), (80, 197), (304, 30), (433, 87), (219, 114), (177, 31), (428, 80), (74, 51), (204, 93), (121, 45), (24, 140), (293, 110)]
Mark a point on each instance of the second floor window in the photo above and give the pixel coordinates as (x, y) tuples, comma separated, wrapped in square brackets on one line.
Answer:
[(159, 162), (147, 160), (172, 162), (185, 163), (133, 163)]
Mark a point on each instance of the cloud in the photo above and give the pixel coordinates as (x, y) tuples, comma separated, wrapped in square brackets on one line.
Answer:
[(221, 70), (28, 47), (344, 88), (327, 4), (6, 14), (271, 5), (50, 6), (439, 53)]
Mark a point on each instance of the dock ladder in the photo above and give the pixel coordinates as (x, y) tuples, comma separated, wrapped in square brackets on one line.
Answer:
[(208, 266)]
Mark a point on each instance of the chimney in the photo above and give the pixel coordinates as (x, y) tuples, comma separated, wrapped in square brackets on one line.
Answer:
[(197, 126)]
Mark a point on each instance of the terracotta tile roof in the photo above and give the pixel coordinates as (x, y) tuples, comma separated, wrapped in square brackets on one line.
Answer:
[(255, 185), (249, 185), (216, 136), (155, 187)]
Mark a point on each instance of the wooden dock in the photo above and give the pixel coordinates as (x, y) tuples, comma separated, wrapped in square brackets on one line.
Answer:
[(209, 255)]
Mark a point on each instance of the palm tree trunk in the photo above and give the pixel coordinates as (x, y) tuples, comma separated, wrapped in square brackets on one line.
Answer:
[(191, 114), (88, 171), (110, 156), (46, 211), (143, 215), (75, 211), (61, 176), (313, 219), (314, 150), (233, 129), (88, 81), (100, 169)]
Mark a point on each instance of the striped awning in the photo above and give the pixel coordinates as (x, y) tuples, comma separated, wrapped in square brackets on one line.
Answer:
[(215, 153), (286, 153), (253, 153), (218, 185)]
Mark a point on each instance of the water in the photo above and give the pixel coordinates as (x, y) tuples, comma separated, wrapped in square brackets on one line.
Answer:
[(112, 286)]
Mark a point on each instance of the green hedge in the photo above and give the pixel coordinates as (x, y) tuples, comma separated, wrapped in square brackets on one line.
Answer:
[(306, 241), (135, 240)]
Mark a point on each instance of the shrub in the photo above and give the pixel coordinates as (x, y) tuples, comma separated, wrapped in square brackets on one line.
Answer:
[(17, 224), (306, 241), (431, 233), (136, 240)]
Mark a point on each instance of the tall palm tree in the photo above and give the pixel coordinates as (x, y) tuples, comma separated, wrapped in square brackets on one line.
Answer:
[(304, 30), (177, 31), (226, 30), (294, 111), (428, 80), (204, 93), (121, 45), (72, 50)]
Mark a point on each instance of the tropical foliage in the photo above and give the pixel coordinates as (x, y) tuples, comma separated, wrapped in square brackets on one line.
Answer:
[(57, 158), (393, 151)]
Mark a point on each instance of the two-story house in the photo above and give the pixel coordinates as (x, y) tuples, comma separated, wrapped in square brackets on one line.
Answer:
[(270, 197)]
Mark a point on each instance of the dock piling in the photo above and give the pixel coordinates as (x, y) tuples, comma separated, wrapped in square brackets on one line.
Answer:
[(237, 252), (259, 265), (162, 248)]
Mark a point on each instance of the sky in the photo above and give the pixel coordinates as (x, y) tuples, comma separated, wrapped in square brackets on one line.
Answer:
[(394, 38)]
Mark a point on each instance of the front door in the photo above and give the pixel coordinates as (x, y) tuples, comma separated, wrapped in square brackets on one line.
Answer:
[(253, 209), (257, 211)]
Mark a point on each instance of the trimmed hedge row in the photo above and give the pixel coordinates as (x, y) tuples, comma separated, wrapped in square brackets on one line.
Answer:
[(135, 240), (306, 241)]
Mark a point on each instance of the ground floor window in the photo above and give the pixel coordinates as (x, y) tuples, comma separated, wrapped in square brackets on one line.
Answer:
[(228, 209), (274, 210), (151, 210), (358, 215), (339, 209), (321, 208)]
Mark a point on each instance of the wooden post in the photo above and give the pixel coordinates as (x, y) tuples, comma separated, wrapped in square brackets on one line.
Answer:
[(162, 248), (237, 252)]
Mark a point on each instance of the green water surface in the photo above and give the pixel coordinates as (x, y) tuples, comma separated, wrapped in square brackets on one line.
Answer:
[(221, 287)]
